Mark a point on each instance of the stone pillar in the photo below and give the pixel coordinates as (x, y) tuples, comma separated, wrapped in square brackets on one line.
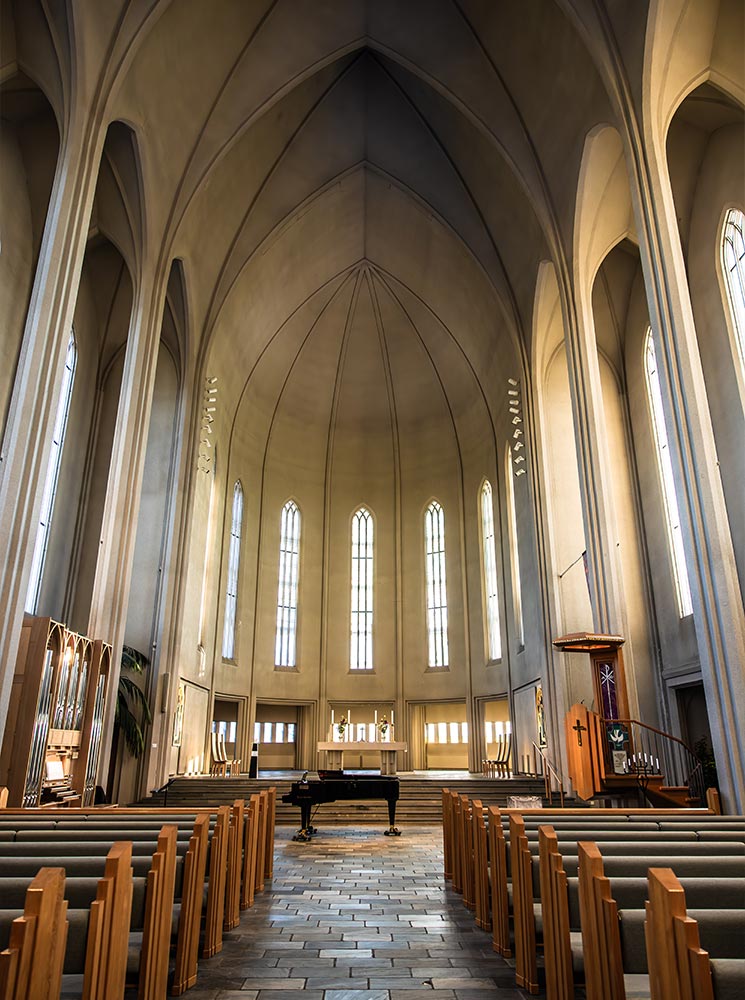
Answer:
[(718, 612), (596, 486), (28, 436), (108, 612)]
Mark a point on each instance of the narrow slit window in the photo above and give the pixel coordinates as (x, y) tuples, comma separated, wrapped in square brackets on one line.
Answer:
[(285, 646), (491, 594), (667, 483), (733, 266), (437, 603), (361, 648), (517, 595), (234, 558), (50, 486)]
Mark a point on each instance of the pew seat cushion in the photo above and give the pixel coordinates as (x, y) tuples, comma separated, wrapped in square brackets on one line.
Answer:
[(728, 977)]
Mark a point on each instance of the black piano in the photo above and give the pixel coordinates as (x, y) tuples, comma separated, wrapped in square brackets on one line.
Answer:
[(332, 786)]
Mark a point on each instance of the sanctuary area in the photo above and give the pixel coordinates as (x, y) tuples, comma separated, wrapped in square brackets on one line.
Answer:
[(372, 394)]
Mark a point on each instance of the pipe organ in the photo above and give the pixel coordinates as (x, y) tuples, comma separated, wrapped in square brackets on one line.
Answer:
[(53, 736)]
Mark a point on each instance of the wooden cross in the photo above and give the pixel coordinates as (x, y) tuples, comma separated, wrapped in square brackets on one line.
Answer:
[(579, 729)]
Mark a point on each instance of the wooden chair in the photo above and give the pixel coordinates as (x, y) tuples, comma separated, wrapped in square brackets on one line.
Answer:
[(233, 766), (219, 766), (31, 965)]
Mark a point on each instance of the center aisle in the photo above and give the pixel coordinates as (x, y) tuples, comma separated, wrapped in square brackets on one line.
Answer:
[(354, 915)]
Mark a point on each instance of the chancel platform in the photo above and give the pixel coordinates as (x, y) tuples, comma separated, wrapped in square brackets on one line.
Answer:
[(335, 751)]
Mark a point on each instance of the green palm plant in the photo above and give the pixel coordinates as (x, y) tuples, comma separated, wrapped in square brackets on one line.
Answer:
[(132, 710)]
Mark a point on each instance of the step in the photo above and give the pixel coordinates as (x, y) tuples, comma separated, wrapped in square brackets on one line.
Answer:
[(420, 800)]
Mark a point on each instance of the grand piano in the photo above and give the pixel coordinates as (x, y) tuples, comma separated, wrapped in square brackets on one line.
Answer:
[(332, 786)]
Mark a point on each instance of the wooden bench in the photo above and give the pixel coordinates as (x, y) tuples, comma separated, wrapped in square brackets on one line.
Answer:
[(229, 849)]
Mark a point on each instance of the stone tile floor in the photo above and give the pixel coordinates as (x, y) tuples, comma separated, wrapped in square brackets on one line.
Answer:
[(354, 915)]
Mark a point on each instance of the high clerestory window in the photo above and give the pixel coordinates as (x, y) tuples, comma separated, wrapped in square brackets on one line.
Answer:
[(285, 645), (361, 645), (234, 559), (437, 601), (491, 594), (517, 597), (733, 266), (667, 483), (50, 485)]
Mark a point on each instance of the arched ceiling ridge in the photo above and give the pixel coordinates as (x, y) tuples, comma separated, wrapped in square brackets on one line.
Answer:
[(353, 278), (329, 188), (385, 282), (374, 277), (213, 307), (341, 279)]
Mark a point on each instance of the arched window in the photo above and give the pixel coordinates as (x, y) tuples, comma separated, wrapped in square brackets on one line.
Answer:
[(733, 265), (285, 645), (491, 595), (234, 560), (50, 486), (667, 483), (437, 601), (361, 650), (517, 596)]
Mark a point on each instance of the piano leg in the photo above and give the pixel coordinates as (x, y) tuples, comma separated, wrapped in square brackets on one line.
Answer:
[(393, 830), (306, 830)]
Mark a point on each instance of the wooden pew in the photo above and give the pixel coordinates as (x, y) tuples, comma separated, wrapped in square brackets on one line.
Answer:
[(480, 867), (498, 878), (607, 927), (31, 965), (160, 894)]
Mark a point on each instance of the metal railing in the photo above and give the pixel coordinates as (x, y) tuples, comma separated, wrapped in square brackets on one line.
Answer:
[(646, 752), (547, 772)]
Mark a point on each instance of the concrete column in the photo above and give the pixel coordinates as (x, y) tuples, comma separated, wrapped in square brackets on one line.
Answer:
[(28, 437), (596, 484), (718, 612), (108, 613)]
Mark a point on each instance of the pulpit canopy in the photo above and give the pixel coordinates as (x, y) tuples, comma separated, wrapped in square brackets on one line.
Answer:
[(588, 642)]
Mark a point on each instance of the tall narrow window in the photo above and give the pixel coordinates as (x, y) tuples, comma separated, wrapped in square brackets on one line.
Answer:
[(361, 651), (517, 595), (285, 646), (50, 485), (437, 602), (667, 483), (491, 596), (733, 265), (234, 560)]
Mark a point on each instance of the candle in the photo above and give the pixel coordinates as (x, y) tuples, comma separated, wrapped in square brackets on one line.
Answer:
[(391, 717), (332, 717), (376, 716)]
